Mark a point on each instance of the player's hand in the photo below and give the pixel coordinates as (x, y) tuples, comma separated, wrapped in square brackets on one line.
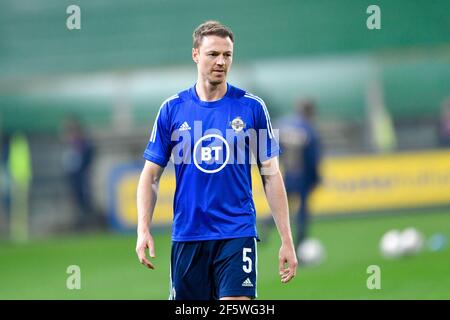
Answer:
[(287, 263), (145, 241)]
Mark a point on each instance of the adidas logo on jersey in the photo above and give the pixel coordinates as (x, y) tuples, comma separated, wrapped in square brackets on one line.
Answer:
[(247, 283), (184, 127)]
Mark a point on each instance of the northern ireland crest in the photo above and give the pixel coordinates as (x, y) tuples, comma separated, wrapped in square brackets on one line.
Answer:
[(237, 124)]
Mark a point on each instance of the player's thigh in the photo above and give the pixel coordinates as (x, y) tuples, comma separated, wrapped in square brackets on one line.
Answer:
[(190, 275), (235, 268)]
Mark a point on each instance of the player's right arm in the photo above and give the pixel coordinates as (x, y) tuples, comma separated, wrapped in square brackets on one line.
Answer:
[(147, 192)]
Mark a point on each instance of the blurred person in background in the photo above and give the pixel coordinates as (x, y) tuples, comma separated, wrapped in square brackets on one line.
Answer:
[(15, 180), (300, 161), (20, 174), (444, 124), (77, 161), (5, 185)]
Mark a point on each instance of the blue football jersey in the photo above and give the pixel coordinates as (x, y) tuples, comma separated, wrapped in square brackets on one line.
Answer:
[(213, 145)]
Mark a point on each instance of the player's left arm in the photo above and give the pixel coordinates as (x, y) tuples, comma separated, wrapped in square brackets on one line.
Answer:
[(277, 199)]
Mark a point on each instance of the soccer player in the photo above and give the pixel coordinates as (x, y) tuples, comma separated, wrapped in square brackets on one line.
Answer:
[(301, 141), (213, 131)]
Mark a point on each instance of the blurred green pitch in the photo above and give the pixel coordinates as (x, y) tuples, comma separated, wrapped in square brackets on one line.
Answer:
[(110, 269)]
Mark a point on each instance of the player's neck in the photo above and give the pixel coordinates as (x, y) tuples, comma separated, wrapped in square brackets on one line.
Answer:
[(209, 92)]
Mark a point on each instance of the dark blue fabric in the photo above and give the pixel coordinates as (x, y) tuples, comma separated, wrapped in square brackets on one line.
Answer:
[(306, 176), (209, 270)]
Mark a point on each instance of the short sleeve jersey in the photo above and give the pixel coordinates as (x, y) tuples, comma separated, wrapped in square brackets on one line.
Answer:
[(213, 146)]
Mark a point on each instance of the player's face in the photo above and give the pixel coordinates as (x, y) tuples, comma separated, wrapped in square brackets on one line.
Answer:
[(213, 58)]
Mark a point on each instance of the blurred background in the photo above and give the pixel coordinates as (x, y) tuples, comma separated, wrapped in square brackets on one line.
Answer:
[(77, 107)]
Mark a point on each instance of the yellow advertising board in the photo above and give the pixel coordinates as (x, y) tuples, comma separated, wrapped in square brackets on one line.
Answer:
[(378, 182), (349, 185)]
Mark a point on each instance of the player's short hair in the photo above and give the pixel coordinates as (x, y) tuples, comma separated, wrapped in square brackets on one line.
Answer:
[(209, 28)]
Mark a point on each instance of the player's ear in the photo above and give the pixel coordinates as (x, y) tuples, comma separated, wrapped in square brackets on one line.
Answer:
[(195, 54)]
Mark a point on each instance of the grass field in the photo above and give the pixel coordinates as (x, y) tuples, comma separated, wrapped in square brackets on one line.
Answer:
[(110, 269)]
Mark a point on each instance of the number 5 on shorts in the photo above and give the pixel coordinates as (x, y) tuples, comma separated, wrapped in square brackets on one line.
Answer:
[(246, 259)]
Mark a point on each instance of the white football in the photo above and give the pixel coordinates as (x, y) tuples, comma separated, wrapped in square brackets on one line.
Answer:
[(310, 252), (412, 241), (391, 244)]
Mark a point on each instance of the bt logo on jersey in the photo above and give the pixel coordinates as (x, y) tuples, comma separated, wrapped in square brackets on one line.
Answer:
[(207, 153), (213, 149), (211, 155)]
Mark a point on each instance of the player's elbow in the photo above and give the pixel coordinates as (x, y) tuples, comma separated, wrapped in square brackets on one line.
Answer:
[(274, 177), (148, 180), (270, 167), (151, 174)]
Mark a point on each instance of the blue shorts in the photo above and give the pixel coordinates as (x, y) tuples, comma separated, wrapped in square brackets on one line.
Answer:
[(210, 270)]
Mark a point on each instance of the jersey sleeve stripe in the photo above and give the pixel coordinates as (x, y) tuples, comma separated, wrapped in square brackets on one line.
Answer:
[(155, 124), (261, 102)]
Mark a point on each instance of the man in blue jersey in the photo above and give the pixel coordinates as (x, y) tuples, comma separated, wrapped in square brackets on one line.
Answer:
[(213, 132)]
